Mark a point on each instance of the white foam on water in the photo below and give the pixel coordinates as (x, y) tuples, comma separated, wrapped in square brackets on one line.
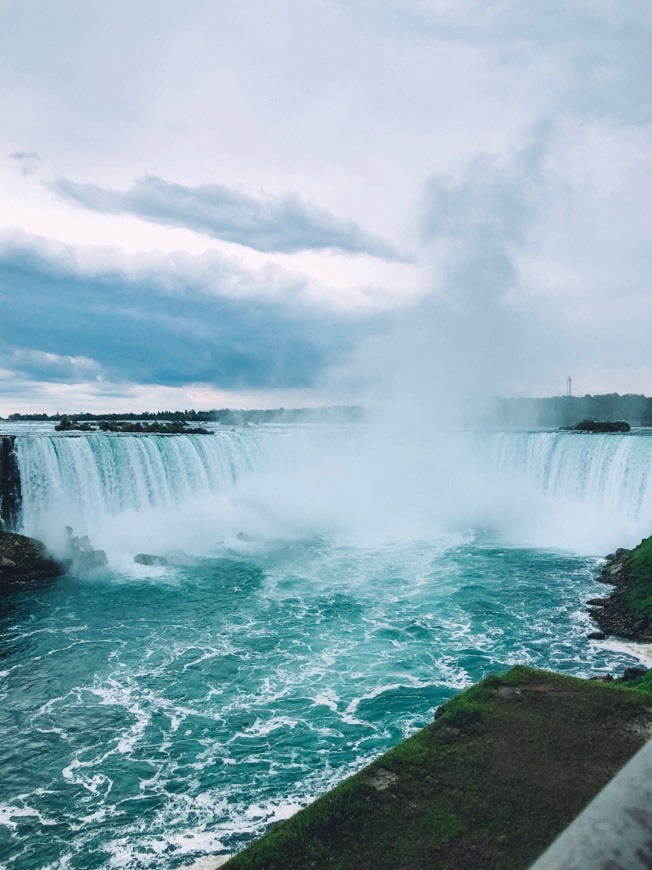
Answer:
[(272, 812), (9, 812), (208, 862), (642, 652)]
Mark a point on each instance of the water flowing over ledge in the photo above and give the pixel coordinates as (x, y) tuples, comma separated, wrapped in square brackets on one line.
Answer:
[(284, 475)]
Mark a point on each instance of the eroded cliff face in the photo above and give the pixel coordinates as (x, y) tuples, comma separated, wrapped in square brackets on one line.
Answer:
[(24, 559), (627, 612), (10, 489)]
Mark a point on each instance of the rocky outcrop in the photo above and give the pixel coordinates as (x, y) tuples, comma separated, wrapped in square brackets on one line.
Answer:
[(149, 559), (25, 560), (82, 557), (626, 612), (174, 427), (602, 426), (10, 490)]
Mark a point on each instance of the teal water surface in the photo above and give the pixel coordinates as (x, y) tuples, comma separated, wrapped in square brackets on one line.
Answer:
[(151, 716)]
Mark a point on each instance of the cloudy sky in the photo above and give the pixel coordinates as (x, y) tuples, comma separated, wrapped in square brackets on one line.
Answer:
[(206, 203)]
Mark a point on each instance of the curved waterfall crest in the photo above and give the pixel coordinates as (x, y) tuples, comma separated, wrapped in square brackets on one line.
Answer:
[(610, 470), (108, 474), (88, 481)]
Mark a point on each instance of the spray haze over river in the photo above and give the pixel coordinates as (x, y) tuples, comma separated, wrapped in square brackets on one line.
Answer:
[(323, 596)]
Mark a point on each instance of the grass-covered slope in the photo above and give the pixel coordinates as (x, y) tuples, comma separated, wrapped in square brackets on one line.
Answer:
[(639, 595), (503, 769)]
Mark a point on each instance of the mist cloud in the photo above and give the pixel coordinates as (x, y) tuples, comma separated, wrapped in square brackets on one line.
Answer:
[(479, 333)]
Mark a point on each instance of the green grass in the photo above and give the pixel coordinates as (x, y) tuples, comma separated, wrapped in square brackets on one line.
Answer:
[(503, 769), (639, 684), (639, 565)]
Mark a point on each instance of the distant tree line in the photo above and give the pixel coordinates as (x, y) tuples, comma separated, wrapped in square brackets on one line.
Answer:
[(226, 416), (569, 410), (510, 412)]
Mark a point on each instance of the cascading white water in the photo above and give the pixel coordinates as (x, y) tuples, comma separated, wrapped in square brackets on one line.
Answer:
[(111, 473), (88, 481), (611, 470), (131, 492)]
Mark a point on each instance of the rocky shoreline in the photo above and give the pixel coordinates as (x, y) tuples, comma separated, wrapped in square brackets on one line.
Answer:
[(627, 611), (25, 560)]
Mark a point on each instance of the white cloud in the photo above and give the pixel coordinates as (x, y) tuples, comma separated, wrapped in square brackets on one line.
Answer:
[(355, 107)]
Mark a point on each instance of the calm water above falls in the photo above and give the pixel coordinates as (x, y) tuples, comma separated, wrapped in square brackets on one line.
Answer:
[(152, 715)]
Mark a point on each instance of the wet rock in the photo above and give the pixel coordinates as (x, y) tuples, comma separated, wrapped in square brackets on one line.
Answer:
[(596, 635), (24, 559), (614, 615), (10, 487), (148, 559), (633, 673), (82, 557)]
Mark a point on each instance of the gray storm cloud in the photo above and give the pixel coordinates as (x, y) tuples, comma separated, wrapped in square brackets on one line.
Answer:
[(269, 224)]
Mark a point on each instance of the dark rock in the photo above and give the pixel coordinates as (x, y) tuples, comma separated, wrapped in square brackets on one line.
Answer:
[(603, 678), (614, 615), (24, 559), (147, 559), (633, 673), (602, 426), (82, 557), (596, 635), (10, 489), (174, 427)]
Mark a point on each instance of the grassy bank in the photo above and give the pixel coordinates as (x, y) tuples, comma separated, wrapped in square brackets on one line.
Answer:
[(639, 595), (503, 769), (628, 610)]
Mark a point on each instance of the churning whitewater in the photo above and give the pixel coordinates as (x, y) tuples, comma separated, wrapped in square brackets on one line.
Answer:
[(326, 588)]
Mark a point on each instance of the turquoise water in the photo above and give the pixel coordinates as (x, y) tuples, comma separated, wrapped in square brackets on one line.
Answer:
[(146, 722), (150, 716)]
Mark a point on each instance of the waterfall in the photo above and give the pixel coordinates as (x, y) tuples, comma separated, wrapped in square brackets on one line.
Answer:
[(135, 491), (100, 475), (609, 470)]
